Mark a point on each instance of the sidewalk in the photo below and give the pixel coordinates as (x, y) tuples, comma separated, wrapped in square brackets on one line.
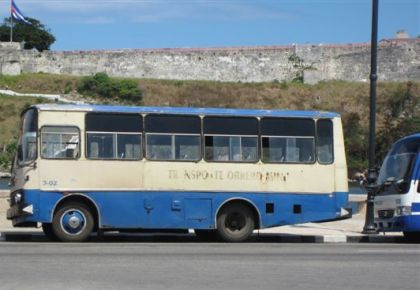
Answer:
[(345, 231)]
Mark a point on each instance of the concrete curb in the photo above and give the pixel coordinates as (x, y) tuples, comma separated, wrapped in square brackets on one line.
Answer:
[(332, 239)]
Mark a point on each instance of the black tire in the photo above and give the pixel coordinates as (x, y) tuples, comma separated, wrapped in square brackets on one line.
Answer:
[(48, 231), (235, 223), (73, 222), (206, 235), (413, 237)]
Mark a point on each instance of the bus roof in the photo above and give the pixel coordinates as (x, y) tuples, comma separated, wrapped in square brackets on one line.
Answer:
[(187, 111)]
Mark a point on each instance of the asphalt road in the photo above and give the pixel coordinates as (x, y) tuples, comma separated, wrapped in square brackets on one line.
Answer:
[(208, 266)]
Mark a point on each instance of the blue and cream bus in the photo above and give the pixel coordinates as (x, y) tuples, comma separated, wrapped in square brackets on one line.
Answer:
[(81, 169), (397, 200)]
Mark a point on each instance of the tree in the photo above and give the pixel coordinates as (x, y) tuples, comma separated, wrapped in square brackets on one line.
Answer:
[(34, 35), (355, 141)]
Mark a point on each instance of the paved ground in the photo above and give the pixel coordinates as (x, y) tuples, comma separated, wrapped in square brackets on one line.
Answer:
[(4, 223), (208, 266), (3, 208), (332, 232)]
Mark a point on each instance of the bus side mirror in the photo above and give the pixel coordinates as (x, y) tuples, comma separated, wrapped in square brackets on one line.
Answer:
[(402, 185)]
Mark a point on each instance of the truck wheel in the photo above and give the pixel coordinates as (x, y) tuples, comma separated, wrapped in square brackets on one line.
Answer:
[(73, 222), (235, 223)]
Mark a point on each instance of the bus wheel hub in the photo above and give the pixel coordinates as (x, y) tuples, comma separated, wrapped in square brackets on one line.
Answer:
[(74, 222)]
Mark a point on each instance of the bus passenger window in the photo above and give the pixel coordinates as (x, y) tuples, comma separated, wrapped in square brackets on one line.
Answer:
[(159, 147), (288, 140), (173, 137), (102, 143), (305, 147), (231, 139), (128, 146), (325, 141), (114, 136), (187, 148), (273, 149), (59, 142)]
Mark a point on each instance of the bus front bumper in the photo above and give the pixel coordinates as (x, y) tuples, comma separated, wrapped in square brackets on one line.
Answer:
[(19, 216), (407, 223), (20, 213)]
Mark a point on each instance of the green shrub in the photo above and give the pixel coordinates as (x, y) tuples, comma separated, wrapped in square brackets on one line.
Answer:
[(128, 90), (102, 86)]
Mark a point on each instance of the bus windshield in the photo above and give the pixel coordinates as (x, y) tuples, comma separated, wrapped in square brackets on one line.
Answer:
[(27, 150), (397, 167)]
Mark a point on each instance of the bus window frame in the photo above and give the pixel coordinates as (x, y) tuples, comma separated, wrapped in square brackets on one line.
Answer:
[(231, 161), (23, 163), (314, 137), (314, 159), (173, 134), (79, 154), (317, 141), (114, 132), (203, 136), (200, 157), (115, 145)]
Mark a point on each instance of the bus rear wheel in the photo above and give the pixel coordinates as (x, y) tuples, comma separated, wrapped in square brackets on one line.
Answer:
[(73, 222), (235, 223)]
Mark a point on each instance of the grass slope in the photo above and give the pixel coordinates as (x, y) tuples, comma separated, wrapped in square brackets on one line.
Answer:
[(398, 103)]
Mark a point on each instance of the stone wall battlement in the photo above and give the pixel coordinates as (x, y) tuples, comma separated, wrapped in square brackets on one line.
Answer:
[(398, 60)]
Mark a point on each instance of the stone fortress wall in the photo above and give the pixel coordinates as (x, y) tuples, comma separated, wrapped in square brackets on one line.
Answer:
[(398, 60)]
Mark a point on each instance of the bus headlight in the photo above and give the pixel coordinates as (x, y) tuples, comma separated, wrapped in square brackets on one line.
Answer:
[(17, 198), (403, 210)]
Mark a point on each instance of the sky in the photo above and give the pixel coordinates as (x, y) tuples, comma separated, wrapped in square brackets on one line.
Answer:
[(114, 24)]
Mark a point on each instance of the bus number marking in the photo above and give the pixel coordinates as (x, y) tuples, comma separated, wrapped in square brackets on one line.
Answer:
[(49, 182)]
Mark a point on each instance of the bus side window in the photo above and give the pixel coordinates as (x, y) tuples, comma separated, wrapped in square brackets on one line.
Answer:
[(325, 141), (288, 140), (229, 139), (114, 136), (173, 137), (59, 142)]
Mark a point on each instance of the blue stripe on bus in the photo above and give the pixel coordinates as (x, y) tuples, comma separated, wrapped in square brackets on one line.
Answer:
[(181, 210), (415, 207), (410, 223)]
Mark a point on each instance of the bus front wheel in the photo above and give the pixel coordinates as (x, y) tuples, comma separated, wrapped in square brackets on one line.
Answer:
[(235, 223), (73, 222)]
